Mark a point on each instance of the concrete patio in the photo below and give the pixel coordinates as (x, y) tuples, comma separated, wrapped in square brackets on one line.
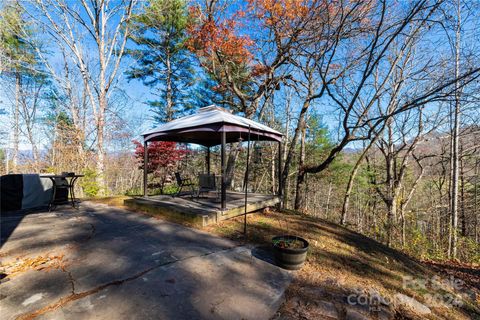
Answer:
[(105, 263)]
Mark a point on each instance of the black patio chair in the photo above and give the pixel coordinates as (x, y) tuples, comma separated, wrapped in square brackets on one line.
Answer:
[(183, 182), (206, 183)]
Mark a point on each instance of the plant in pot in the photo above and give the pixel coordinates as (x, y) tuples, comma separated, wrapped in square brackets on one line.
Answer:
[(289, 251)]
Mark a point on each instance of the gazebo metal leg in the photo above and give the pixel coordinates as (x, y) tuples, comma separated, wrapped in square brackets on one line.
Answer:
[(224, 171), (145, 173), (208, 160), (246, 185), (280, 169), (280, 187)]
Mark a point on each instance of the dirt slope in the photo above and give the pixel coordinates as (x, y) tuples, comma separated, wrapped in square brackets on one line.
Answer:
[(350, 276)]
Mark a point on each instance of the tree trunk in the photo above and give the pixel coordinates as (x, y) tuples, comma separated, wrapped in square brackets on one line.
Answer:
[(286, 193), (28, 115), (284, 185), (102, 104), (351, 180), (375, 224), (327, 205), (449, 215), (300, 190), (168, 91), (456, 125), (36, 158), (403, 222), (391, 214), (475, 200), (100, 168), (231, 162), (390, 182), (291, 150), (16, 124), (346, 199), (462, 197)]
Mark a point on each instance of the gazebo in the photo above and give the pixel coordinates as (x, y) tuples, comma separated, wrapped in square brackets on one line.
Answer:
[(212, 126)]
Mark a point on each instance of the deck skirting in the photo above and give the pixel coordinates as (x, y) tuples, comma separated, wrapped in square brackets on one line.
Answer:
[(201, 211)]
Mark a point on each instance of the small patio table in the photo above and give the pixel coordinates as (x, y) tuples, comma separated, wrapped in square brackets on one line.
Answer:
[(69, 186)]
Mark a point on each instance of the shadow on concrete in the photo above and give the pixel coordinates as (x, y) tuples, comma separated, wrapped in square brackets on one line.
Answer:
[(9, 221), (125, 265), (264, 253)]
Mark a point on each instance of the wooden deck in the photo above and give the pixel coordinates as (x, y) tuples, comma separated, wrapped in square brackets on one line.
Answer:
[(204, 210)]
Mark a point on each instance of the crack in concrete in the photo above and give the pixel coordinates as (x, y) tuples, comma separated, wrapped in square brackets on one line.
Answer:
[(76, 296), (92, 232), (71, 280)]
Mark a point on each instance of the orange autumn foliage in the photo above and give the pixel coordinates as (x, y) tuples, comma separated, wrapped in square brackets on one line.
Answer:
[(286, 17), (225, 47), (276, 11), (217, 38), (259, 69), (289, 18)]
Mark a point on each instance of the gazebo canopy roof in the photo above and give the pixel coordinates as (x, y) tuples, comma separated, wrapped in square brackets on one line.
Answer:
[(206, 127)]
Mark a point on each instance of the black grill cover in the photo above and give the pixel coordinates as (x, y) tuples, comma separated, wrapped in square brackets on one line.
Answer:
[(11, 192)]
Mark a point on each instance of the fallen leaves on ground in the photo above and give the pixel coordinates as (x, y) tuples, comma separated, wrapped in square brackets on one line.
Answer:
[(41, 262), (467, 272)]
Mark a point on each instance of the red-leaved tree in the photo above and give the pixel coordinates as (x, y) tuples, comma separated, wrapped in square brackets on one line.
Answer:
[(163, 159)]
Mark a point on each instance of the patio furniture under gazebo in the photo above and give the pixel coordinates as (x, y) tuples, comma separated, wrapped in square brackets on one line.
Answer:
[(212, 126)]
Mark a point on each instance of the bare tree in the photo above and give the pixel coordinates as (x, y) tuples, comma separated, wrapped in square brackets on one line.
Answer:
[(454, 171), (16, 58), (83, 26), (351, 180), (397, 153), (401, 29), (30, 100)]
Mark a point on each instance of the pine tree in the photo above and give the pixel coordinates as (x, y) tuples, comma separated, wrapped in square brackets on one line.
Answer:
[(163, 62)]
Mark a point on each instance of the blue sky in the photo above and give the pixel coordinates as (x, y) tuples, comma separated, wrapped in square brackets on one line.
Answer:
[(137, 113)]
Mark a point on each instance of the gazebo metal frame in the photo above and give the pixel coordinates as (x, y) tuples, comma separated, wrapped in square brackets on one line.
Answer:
[(212, 126)]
